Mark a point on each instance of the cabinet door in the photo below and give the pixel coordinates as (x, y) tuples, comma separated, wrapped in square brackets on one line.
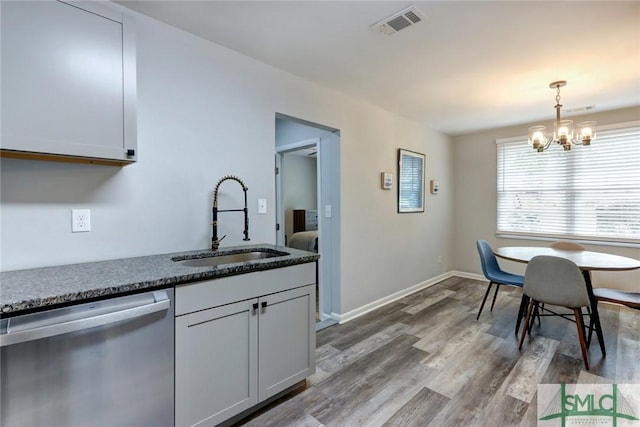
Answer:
[(287, 339), (216, 364), (68, 76)]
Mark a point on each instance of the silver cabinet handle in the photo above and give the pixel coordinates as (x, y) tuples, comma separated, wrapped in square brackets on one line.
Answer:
[(161, 302)]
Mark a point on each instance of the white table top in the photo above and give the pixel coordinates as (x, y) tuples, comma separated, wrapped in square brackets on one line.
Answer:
[(586, 260)]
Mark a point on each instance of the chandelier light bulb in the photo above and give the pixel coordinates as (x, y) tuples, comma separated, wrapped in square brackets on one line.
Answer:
[(587, 132), (537, 137), (564, 132)]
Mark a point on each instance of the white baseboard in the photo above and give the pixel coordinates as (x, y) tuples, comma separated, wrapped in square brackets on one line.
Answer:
[(350, 315), (466, 275)]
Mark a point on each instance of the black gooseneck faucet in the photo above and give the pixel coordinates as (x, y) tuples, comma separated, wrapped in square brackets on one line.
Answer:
[(215, 242)]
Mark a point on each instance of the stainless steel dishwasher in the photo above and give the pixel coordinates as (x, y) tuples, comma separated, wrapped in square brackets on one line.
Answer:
[(107, 363)]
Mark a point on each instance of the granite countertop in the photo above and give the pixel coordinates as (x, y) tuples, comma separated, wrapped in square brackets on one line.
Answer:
[(23, 291)]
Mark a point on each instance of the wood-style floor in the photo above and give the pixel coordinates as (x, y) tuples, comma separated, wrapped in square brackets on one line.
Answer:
[(425, 361)]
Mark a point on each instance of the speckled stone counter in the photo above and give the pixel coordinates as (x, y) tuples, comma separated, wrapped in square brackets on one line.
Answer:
[(37, 289)]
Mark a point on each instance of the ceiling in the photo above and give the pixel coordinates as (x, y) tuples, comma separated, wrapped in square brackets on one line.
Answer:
[(468, 66)]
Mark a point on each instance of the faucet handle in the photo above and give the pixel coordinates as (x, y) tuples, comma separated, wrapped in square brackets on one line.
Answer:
[(215, 244)]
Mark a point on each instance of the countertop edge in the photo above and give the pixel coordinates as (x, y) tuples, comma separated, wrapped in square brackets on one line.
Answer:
[(87, 277)]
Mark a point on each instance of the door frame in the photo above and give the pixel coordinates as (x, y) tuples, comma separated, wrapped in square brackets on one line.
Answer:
[(329, 215), (280, 231), (280, 152)]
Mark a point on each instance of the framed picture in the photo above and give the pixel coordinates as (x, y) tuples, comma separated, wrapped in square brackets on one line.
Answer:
[(410, 181)]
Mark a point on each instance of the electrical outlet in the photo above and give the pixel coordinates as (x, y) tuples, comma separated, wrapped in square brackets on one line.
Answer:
[(439, 259), (80, 220)]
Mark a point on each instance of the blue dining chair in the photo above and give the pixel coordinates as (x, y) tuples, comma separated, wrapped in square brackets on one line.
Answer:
[(495, 275)]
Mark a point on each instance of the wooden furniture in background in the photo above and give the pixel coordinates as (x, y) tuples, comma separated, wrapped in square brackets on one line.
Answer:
[(305, 220), (298, 220)]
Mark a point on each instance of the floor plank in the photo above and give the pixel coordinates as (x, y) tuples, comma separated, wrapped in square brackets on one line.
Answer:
[(468, 406), (419, 410), (358, 383), (527, 374), (337, 360)]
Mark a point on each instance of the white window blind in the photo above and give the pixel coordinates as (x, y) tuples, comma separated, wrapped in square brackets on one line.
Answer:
[(589, 192), (411, 180)]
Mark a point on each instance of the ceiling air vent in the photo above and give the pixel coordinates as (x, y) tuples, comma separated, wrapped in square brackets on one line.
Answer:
[(399, 21), (586, 109)]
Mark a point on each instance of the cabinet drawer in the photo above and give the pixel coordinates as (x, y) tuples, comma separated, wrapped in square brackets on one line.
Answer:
[(212, 293)]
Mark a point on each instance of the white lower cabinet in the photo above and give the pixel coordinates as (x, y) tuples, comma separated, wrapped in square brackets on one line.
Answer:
[(216, 364), (286, 336), (234, 355)]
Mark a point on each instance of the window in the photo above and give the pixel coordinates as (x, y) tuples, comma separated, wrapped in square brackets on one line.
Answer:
[(410, 181), (590, 192)]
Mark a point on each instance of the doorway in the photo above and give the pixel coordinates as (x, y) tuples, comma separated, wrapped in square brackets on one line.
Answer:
[(308, 202)]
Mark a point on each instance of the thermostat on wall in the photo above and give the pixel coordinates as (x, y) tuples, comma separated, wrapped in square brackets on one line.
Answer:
[(435, 186), (387, 180)]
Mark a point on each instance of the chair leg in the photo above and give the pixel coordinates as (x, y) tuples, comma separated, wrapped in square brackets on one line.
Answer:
[(526, 322), (591, 326), (538, 313), (535, 313), (484, 299), (594, 324), (594, 311), (598, 328), (524, 303), (583, 345), (494, 296)]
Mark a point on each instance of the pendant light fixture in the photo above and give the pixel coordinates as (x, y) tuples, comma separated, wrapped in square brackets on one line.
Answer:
[(563, 132)]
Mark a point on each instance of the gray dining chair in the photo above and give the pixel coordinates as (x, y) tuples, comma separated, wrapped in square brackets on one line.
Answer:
[(556, 281), (565, 245)]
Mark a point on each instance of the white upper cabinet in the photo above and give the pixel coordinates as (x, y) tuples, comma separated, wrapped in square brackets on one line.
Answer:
[(68, 82)]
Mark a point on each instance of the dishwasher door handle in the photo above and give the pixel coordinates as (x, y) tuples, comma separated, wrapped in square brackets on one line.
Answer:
[(161, 302)]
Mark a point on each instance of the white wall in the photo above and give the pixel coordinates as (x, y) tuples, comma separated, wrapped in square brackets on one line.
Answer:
[(383, 251), (204, 112), (476, 196)]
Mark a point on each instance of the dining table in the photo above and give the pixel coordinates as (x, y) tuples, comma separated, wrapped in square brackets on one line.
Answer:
[(587, 261)]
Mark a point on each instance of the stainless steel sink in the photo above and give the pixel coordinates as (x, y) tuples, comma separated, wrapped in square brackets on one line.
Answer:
[(229, 258)]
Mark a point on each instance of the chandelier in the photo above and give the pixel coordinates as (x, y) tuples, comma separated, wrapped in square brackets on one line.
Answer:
[(563, 132)]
